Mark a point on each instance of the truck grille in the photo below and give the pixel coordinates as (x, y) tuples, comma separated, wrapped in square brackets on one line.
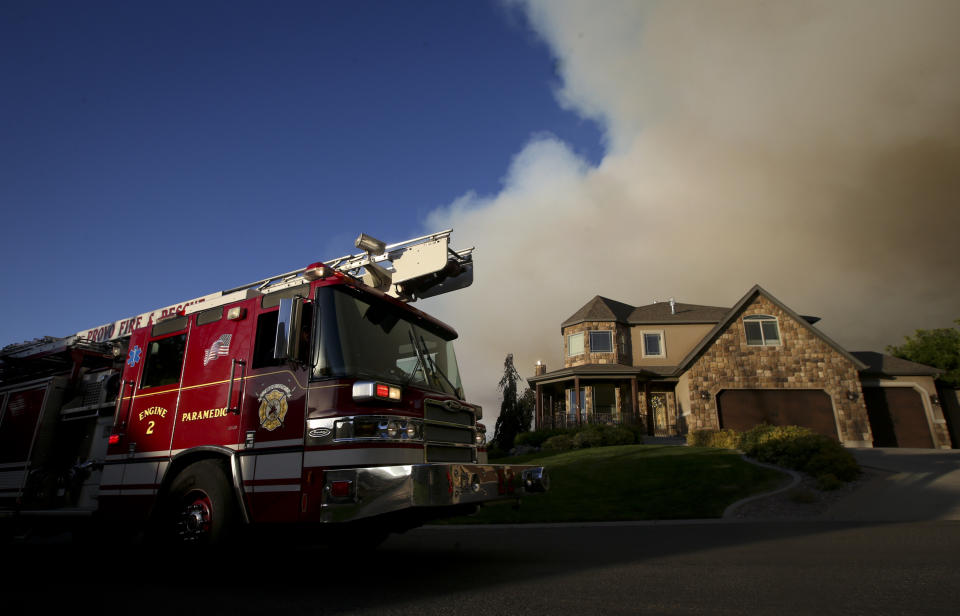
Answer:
[(435, 412), (449, 433)]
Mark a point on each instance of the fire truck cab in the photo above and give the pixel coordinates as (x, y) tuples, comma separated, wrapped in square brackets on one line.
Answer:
[(317, 397)]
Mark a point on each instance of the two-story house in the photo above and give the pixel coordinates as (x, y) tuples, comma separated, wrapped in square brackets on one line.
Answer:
[(673, 367)]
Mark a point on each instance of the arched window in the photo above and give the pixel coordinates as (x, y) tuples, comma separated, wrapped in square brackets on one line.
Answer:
[(761, 330)]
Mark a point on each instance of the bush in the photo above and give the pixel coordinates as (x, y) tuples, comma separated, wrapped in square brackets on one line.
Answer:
[(591, 436), (638, 432), (596, 435), (619, 435), (832, 459), (560, 442), (803, 450), (721, 439), (536, 438)]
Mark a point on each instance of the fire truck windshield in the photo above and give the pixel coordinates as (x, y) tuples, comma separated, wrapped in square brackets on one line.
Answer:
[(361, 336)]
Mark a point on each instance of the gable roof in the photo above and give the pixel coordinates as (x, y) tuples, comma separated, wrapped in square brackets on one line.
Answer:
[(600, 309), (660, 313), (882, 364), (732, 314)]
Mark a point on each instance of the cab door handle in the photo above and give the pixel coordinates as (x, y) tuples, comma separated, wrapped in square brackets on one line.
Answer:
[(233, 375)]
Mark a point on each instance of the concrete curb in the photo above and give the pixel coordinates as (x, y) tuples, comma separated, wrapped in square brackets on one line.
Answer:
[(795, 478)]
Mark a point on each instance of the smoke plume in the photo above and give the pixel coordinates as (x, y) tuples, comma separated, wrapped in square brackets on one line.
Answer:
[(811, 147)]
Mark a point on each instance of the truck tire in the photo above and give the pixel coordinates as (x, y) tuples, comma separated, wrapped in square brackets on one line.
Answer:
[(200, 508)]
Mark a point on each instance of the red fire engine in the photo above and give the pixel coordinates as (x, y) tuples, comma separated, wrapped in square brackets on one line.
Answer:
[(316, 396)]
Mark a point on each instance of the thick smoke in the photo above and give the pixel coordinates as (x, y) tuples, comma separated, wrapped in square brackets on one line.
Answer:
[(811, 147)]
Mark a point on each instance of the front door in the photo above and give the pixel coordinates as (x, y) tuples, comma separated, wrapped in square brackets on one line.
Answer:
[(658, 408)]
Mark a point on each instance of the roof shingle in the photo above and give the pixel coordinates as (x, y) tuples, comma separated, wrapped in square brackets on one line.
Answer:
[(888, 365)]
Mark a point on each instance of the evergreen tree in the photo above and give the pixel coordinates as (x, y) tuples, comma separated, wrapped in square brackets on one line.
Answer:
[(516, 410)]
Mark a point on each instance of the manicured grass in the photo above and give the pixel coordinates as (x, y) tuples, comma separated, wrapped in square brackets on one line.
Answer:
[(633, 482)]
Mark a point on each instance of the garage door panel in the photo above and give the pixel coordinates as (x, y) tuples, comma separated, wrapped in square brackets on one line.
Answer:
[(742, 409), (899, 409)]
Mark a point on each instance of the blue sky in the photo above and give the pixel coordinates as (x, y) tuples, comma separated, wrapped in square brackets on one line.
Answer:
[(154, 152), (151, 153)]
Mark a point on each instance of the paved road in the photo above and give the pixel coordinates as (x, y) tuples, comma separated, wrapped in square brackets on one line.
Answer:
[(918, 484), (695, 568)]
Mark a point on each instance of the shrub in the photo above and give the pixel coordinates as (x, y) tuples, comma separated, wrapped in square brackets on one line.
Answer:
[(721, 439), (619, 435), (764, 434), (801, 449), (536, 438), (638, 432), (591, 436), (832, 459), (560, 442)]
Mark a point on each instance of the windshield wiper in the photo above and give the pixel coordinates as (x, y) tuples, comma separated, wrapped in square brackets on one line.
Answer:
[(421, 363), (437, 371)]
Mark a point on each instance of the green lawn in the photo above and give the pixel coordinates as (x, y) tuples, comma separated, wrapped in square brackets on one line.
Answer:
[(633, 482)]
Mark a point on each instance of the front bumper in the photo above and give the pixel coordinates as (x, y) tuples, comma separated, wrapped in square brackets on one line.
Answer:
[(357, 493)]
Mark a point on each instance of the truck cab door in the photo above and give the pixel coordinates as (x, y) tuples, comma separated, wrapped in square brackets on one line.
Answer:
[(274, 405)]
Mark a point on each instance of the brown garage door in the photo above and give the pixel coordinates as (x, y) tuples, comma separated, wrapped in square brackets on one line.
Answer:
[(897, 418), (742, 409)]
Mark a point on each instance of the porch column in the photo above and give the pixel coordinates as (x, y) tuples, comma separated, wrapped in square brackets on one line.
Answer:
[(539, 414), (576, 396)]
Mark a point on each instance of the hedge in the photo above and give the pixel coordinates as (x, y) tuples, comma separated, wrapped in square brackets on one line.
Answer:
[(595, 435), (792, 447)]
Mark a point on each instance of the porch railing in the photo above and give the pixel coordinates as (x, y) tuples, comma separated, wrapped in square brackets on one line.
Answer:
[(563, 420)]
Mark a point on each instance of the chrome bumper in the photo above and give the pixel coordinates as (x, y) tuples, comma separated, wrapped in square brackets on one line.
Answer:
[(356, 493)]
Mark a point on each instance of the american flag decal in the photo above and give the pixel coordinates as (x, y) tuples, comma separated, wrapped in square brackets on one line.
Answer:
[(219, 348)]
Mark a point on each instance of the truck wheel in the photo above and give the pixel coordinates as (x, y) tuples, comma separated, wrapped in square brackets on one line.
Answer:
[(201, 507)]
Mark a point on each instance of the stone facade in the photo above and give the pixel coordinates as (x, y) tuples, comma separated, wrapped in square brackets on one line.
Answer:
[(802, 361), (621, 353)]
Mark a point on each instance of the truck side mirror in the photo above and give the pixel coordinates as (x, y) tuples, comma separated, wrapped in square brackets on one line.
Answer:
[(286, 344)]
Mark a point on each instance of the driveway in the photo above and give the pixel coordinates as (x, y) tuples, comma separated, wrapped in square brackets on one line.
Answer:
[(916, 484)]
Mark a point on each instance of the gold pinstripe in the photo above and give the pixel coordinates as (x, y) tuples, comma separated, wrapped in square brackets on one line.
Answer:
[(212, 383)]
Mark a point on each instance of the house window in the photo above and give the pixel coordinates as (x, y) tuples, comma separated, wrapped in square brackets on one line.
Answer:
[(601, 342), (761, 330), (575, 344), (653, 344)]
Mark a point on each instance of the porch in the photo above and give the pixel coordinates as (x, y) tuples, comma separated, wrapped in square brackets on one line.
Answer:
[(607, 395)]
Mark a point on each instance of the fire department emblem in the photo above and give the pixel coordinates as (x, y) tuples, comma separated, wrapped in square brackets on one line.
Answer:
[(273, 406)]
